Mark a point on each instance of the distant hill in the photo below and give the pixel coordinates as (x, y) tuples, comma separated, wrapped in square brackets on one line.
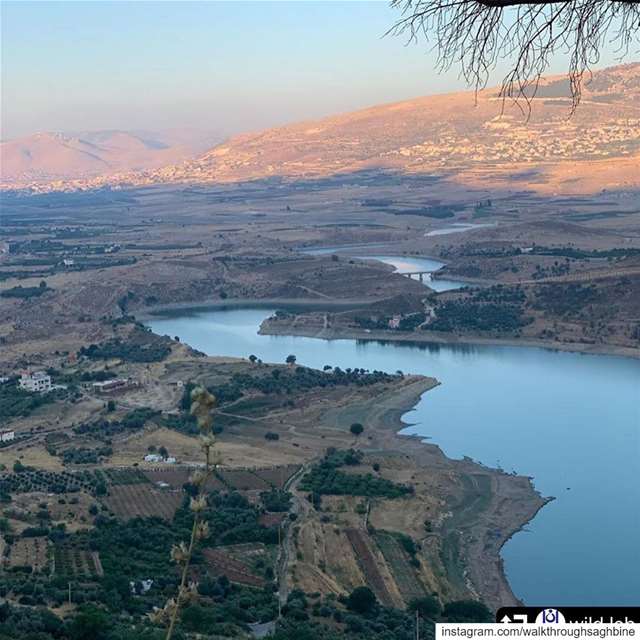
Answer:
[(43, 157), (458, 136), (471, 140)]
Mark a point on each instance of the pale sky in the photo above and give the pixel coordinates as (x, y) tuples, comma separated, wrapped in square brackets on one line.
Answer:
[(224, 66)]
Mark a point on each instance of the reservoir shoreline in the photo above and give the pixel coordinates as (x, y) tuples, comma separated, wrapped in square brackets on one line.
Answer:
[(148, 313), (512, 500), (514, 497)]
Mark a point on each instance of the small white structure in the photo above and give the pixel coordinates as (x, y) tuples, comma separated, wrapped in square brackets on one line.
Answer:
[(7, 435), (38, 381), (68, 262), (156, 457), (394, 322), (115, 385), (141, 587)]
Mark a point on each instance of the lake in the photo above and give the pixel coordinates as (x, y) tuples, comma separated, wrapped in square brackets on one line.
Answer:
[(571, 421), (402, 264)]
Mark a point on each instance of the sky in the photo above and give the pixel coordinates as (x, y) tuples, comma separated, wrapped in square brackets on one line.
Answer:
[(226, 67)]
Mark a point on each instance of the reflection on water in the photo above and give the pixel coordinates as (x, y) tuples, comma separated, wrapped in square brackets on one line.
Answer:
[(571, 421), (405, 264), (459, 227), (402, 264)]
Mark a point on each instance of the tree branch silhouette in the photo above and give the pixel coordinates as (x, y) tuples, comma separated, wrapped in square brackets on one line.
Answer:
[(476, 34)]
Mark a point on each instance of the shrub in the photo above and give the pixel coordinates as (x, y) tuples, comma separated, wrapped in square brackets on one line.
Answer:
[(361, 600)]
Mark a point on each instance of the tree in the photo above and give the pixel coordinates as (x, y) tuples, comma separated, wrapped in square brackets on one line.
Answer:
[(476, 34), (163, 452), (90, 624), (356, 429), (426, 606), (291, 359), (467, 611), (361, 600), (253, 359)]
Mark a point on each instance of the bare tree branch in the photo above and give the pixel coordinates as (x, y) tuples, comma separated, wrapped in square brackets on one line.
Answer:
[(475, 34)]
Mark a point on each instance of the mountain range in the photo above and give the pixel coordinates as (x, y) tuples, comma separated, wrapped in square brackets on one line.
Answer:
[(473, 139), (53, 156)]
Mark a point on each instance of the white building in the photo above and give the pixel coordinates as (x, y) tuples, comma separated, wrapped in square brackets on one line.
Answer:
[(6, 435), (37, 381), (156, 457)]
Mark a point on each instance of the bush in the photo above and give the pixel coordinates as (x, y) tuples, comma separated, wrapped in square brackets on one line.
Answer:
[(467, 611), (427, 607), (356, 429), (361, 600)]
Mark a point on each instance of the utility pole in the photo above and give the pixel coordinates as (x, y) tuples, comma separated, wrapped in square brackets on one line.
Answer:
[(69, 593), (280, 551)]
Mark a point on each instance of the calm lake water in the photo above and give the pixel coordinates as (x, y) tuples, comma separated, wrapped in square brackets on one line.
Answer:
[(571, 421), (402, 264)]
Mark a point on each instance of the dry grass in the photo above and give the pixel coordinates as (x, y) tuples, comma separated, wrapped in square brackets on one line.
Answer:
[(133, 449), (34, 456), (70, 508)]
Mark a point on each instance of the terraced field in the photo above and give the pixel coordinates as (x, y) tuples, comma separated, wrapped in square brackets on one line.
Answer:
[(369, 566), (142, 500), (77, 562), (403, 573), (221, 563)]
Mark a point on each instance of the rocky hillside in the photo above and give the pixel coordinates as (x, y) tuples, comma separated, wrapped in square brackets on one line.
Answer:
[(473, 140)]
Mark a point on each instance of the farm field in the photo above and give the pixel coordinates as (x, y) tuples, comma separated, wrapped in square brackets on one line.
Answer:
[(125, 476), (70, 508), (30, 552), (77, 562), (47, 481), (369, 566), (277, 476), (403, 573), (142, 501), (220, 563), (237, 479), (243, 480)]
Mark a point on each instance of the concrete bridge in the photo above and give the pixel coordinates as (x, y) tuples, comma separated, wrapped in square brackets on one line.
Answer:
[(420, 274)]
